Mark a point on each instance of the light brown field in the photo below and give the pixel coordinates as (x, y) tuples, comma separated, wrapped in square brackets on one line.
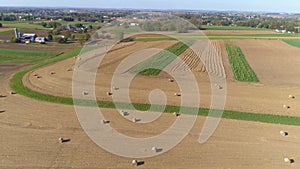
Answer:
[(235, 144), (275, 62)]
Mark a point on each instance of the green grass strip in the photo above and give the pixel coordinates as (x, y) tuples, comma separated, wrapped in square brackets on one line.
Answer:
[(239, 65), (154, 65)]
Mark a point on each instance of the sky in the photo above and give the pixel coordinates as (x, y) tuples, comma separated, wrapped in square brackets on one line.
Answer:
[(289, 6)]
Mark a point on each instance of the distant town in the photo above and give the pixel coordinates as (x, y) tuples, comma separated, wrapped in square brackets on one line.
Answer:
[(69, 25)]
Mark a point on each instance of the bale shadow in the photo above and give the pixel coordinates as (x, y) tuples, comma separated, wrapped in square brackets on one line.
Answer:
[(140, 163), (65, 140)]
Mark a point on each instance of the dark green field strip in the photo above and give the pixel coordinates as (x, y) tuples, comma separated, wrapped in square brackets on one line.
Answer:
[(239, 65), (158, 62)]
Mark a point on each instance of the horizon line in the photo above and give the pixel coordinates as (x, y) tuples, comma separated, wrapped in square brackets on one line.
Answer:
[(150, 9)]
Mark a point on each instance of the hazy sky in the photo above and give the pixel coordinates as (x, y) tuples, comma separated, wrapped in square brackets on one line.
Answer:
[(239, 5)]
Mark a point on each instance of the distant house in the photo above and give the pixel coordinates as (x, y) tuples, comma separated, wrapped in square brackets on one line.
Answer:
[(134, 24), (280, 31)]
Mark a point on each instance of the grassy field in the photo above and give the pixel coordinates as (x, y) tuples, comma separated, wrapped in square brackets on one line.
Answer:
[(36, 24), (239, 65), (204, 27), (154, 65), (22, 25), (295, 43), (24, 56), (129, 30)]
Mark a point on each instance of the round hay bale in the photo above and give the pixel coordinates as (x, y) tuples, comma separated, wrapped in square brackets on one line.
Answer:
[(286, 106), (291, 96), (109, 93), (124, 113), (69, 69), (52, 73), (176, 114), (13, 92), (85, 93), (115, 88), (218, 86), (171, 80), (134, 120), (61, 139), (35, 74), (284, 133), (105, 121), (286, 160), (177, 94), (134, 162)]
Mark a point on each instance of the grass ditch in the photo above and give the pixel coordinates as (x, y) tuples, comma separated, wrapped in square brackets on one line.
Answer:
[(239, 65)]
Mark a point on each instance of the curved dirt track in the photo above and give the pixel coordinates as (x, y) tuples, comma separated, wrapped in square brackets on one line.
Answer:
[(240, 96), (30, 130)]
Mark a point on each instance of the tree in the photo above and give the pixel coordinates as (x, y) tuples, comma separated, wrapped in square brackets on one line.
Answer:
[(56, 32), (60, 39), (73, 37), (50, 37), (78, 25), (83, 38)]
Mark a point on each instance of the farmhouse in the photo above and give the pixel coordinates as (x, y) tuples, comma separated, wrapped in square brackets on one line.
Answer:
[(28, 37)]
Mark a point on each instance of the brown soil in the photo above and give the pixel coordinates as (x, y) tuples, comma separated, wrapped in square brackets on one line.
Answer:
[(30, 129)]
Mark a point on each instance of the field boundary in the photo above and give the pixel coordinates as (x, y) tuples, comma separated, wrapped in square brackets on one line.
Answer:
[(17, 85)]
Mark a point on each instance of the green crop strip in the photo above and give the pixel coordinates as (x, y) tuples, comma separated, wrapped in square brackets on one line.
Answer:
[(239, 65)]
